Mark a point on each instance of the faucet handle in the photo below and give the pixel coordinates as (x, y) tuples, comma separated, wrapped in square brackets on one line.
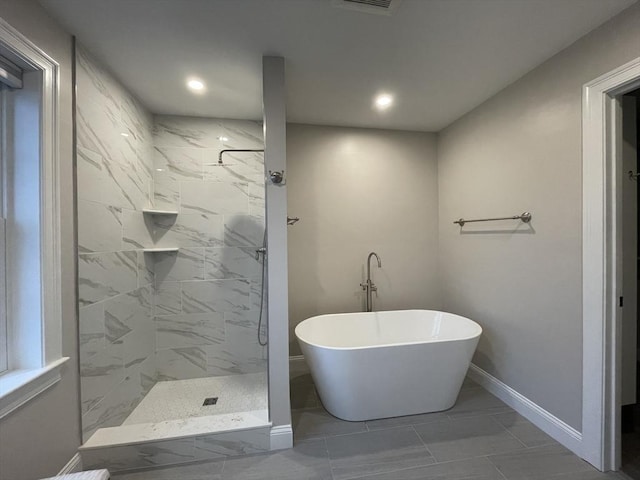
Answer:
[(373, 287), (364, 286)]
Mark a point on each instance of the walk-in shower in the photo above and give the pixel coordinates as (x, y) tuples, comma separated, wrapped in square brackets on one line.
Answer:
[(171, 290)]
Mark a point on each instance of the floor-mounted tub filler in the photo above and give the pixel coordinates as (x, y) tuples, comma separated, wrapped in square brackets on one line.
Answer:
[(369, 365)]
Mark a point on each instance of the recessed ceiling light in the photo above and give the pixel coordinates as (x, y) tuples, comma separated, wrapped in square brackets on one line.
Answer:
[(383, 101), (195, 85), (222, 138)]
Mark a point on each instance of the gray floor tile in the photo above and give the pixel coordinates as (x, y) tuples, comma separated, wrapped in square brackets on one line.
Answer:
[(477, 401), (468, 383), (304, 395), (524, 430), (318, 423), (455, 439), (199, 471), (541, 463), (381, 451), (308, 460), (593, 475), (404, 421), (471, 469), (299, 371)]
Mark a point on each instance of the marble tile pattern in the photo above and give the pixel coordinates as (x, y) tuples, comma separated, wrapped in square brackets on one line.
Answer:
[(171, 316), (115, 182), (183, 450), (206, 293)]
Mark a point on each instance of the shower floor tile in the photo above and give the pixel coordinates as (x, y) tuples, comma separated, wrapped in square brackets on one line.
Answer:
[(180, 399)]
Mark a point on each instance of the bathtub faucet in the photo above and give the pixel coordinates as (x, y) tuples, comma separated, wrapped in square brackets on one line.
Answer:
[(369, 286)]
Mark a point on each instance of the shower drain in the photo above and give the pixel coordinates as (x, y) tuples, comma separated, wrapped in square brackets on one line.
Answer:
[(210, 401)]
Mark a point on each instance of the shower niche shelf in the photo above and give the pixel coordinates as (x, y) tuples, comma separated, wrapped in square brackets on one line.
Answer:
[(157, 211), (160, 250)]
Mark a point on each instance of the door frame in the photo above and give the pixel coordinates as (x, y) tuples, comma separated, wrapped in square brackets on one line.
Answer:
[(601, 257)]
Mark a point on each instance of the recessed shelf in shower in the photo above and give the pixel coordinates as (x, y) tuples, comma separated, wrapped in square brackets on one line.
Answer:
[(160, 249), (155, 211)]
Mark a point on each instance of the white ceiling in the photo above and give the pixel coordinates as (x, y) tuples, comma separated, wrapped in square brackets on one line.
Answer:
[(440, 58)]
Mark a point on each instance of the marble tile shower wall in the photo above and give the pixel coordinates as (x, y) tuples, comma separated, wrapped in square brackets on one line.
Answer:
[(115, 181), (207, 295)]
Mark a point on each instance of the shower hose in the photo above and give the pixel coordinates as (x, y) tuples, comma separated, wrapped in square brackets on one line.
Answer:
[(262, 290)]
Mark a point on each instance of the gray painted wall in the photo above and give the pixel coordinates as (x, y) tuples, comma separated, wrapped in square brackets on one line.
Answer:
[(521, 150), (38, 439), (357, 191)]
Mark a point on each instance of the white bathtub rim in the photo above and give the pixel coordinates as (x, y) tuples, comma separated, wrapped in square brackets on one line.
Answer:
[(389, 345)]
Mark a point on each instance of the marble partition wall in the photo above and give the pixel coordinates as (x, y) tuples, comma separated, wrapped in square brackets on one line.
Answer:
[(207, 295), (149, 317), (114, 183)]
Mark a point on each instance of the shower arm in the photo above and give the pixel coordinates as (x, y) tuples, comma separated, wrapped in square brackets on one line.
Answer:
[(235, 150)]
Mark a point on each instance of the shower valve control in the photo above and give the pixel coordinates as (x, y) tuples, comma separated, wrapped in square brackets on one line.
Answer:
[(260, 251), (276, 177)]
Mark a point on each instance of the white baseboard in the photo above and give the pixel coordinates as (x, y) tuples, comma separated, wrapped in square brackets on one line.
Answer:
[(281, 437), (73, 466), (545, 421)]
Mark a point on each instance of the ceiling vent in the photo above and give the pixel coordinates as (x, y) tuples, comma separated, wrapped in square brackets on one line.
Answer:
[(378, 7)]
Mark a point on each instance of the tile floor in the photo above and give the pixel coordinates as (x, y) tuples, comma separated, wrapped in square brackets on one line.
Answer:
[(480, 438)]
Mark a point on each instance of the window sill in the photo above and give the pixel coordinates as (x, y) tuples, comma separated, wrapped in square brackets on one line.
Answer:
[(17, 387)]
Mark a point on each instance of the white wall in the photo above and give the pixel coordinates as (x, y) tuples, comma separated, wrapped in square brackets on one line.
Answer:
[(521, 150), (38, 439), (357, 191)]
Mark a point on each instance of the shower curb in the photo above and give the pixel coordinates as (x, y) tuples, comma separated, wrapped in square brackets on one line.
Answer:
[(190, 449)]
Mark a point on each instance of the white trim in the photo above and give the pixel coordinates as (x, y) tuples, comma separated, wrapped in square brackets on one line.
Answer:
[(541, 418), (73, 466), (50, 235), (19, 386), (600, 287), (275, 159), (296, 358), (281, 437)]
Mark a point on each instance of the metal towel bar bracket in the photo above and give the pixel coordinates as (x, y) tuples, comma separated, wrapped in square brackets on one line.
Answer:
[(525, 217)]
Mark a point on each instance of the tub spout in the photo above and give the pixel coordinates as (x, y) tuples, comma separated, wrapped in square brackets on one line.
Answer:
[(369, 286)]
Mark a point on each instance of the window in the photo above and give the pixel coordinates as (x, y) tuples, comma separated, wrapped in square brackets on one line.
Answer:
[(10, 81), (3, 242), (30, 308)]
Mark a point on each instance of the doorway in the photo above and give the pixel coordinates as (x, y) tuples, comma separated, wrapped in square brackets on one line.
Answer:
[(602, 247), (630, 386)]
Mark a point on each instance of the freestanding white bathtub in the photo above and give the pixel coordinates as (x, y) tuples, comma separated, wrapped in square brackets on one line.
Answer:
[(388, 364)]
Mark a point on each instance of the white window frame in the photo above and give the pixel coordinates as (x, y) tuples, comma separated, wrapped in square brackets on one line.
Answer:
[(36, 363)]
